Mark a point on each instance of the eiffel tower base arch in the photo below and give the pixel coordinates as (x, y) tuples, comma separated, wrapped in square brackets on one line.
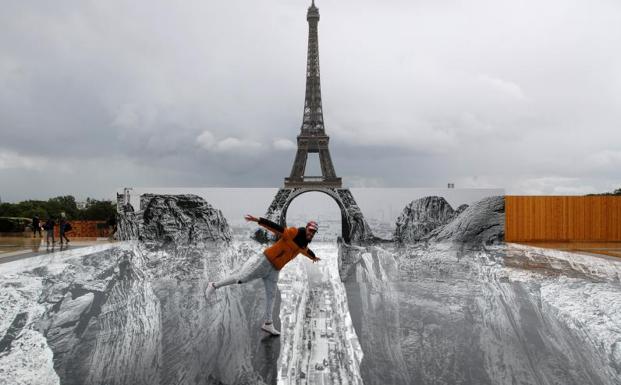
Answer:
[(354, 227)]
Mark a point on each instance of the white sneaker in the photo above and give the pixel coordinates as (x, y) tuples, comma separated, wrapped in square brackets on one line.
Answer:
[(270, 329), (211, 288)]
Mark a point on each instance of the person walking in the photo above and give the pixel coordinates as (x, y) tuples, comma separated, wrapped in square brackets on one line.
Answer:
[(63, 227), (49, 230), (267, 266), (36, 226)]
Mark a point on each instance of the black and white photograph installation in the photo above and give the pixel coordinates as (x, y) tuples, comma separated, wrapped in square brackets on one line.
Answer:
[(453, 215)]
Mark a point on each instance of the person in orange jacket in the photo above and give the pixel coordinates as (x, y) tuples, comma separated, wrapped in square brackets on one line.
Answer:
[(292, 241)]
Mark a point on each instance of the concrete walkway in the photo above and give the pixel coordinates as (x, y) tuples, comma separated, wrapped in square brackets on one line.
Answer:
[(14, 248), (612, 249)]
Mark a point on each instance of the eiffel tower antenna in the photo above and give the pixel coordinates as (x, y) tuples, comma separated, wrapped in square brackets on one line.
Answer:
[(313, 138)]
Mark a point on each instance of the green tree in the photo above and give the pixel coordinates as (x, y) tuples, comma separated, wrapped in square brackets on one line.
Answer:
[(95, 209), (64, 204), (98, 210)]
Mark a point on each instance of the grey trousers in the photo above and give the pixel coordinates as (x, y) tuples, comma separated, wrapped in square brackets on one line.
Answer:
[(257, 267), (48, 234)]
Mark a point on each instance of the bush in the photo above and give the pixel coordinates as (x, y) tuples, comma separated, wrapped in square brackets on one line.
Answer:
[(616, 192), (98, 210), (94, 210), (13, 225)]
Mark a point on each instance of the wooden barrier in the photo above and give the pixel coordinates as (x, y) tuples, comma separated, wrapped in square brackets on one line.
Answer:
[(562, 218), (89, 229), (85, 229)]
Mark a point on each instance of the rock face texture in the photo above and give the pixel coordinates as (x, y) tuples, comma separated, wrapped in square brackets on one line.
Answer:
[(482, 222), (433, 219), (177, 219), (357, 227), (103, 327), (461, 209), (182, 219), (432, 314), (422, 216), (25, 357), (136, 313)]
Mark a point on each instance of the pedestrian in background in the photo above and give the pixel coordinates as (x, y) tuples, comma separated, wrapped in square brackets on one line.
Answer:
[(64, 227), (49, 230), (36, 226)]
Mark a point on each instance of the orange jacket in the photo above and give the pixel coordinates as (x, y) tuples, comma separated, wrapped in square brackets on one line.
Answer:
[(292, 241)]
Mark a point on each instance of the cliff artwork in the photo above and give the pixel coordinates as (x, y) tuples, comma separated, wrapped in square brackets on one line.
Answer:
[(326, 276), (443, 301)]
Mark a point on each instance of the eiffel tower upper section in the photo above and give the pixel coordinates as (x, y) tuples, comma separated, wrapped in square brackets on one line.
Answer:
[(312, 123), (313, 138)]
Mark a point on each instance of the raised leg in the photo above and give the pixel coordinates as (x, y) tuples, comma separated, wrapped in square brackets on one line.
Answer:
[(254, 268)]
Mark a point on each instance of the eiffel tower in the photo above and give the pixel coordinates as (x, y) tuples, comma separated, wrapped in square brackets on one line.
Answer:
[(313, 139)]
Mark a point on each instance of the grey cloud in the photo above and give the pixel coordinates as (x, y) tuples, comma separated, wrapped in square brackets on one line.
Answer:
[(522, 95)]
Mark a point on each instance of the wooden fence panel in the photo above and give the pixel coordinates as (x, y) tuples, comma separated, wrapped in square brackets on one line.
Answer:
[(88, 229), (562, 218)]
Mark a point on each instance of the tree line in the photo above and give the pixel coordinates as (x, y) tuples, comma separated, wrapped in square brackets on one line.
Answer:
[(616, 192), (53, 207)]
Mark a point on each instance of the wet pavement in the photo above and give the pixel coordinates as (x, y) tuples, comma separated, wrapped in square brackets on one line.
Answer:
[(612, 249), (14, 248)]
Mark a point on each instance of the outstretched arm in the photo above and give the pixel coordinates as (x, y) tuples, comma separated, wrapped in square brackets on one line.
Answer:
[(309, 253), (271, 226)]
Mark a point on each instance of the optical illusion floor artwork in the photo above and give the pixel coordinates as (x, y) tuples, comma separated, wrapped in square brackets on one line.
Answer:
[(390, 313)]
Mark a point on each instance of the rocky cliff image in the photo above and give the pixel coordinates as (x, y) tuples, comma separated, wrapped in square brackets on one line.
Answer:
[(136, 313), (177, 219), (432, 314), (433, 219), (446, 303), (422, 216)]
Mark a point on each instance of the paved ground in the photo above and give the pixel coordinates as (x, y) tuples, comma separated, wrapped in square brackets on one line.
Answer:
[(14, 248), (612, 249)]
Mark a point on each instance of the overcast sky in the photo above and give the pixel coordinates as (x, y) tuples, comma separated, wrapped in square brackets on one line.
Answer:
[(523, 95)]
